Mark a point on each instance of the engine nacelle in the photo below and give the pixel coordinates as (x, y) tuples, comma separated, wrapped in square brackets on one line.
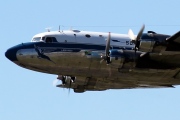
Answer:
[(117, 54), (117, 57), (152, 42), (147, 42)]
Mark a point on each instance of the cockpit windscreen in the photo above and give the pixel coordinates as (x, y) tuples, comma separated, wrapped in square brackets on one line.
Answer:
[(36, 39)]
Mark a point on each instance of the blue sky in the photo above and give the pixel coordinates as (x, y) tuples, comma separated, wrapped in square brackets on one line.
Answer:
[(29, 95)]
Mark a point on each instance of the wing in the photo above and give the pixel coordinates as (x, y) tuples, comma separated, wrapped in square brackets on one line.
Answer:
[(173, 42), (174, 38), (94, 84)]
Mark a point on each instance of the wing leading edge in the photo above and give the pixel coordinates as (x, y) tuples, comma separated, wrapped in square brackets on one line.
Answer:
[(175, 38)]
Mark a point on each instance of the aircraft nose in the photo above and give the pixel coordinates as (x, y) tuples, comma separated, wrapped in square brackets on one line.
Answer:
[(11, 54)]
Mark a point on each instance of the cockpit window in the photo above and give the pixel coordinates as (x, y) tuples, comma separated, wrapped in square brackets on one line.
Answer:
[(50, 39), (43, 38), (36, 39)]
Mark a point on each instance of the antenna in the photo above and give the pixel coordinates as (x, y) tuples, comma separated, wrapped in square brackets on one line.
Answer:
[(48, 29), (59, 28)]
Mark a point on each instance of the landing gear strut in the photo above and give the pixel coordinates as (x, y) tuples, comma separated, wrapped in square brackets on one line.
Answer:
[(63, 80)]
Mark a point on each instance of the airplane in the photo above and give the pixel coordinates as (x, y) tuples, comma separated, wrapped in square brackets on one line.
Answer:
[(97, 61)]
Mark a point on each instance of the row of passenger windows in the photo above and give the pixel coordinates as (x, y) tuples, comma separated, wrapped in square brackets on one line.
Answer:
[(53, 39)]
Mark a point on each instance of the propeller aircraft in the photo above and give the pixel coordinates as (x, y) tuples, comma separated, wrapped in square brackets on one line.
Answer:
[(96, 61)]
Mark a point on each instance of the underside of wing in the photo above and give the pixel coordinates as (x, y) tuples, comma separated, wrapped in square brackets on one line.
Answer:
[(139, 81)]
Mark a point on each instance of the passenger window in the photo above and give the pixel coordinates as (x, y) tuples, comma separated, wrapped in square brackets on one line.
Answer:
[(87, 35), (54, 39), (50, 39)]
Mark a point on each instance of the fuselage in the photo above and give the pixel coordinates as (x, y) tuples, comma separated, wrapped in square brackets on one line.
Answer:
[(71, 52)]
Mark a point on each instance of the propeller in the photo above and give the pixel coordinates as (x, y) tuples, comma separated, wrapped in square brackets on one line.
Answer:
[(106, 57), (59, 78), (107, 53), (70, 84), (66, 82), (136, 39)]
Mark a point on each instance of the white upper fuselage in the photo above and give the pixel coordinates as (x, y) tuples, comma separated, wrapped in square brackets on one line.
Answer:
[(85, 37)]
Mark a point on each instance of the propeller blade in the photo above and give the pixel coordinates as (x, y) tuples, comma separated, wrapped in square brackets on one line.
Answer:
[(136, 40), (109, 70), (131, 34), (106, 56), (140, 33), (70, 83), (108, 44), (101, 61)]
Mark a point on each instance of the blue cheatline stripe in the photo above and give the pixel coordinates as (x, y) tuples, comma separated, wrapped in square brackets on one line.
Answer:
[(69, 46)]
